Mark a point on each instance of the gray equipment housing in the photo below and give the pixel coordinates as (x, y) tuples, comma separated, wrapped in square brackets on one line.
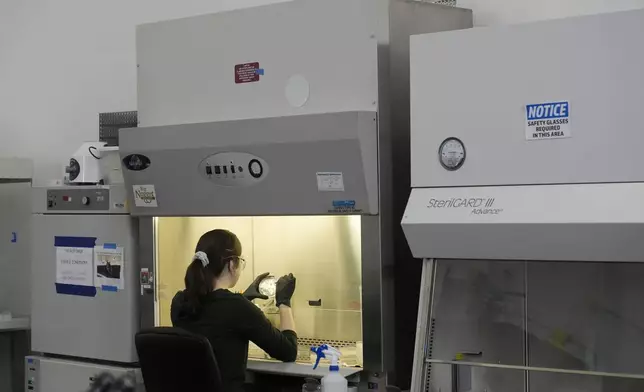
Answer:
[(15, 252), (102, 327), (15, 190), (328, 95), (62, 375), (294, 149), (493, 315), (570, 207)]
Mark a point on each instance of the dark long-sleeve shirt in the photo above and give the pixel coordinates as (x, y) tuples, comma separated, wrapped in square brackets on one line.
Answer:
[(229, 321)]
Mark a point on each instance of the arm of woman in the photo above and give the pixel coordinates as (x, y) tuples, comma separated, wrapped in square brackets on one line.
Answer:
[(281, 345), (287, 322)]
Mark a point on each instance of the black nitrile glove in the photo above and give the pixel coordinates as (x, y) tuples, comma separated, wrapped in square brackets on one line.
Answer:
[(284, 290), (252, 292)]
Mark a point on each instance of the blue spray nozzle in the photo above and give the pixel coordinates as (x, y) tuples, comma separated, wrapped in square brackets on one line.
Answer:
[(319, 352), (331, 353)]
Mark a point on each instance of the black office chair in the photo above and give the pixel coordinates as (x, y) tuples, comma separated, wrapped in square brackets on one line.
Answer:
[(174, 360)]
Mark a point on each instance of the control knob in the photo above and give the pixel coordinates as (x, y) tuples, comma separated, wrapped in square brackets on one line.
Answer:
[(255, 168)]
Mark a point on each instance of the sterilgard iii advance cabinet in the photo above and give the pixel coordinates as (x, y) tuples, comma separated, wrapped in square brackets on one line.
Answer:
[(528, 206)]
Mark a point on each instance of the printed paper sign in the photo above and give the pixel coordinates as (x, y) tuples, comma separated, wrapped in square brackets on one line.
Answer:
[(247, 73), (108, 266), (74, 266), (330, 182), (145, 196), (550, 120)]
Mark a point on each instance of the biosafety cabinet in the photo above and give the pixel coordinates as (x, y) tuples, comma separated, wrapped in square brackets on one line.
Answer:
[(288, 125), (527, 206)]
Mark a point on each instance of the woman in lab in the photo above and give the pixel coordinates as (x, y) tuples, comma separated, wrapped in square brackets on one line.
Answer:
[(229, 321)]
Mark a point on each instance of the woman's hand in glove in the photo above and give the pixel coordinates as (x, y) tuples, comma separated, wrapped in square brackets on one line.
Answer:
[(252, 292), (284, 290)]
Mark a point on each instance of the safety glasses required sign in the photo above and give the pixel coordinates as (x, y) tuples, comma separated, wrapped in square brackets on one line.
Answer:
[(549, 120)]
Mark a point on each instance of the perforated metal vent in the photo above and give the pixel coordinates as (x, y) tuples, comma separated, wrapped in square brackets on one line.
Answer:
[(316, 342), (430, 349), (304, 348), (110, 123), (451, 3)]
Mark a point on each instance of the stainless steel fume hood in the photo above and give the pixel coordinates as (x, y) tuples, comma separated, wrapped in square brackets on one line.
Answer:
[(527, 205)]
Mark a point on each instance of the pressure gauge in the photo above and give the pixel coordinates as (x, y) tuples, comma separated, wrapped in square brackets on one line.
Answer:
[(452, 154)]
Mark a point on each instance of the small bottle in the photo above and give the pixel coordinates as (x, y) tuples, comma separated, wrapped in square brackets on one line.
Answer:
[(333, 381)]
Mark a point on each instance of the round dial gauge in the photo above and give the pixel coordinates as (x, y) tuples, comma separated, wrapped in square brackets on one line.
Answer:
[(452, 153)]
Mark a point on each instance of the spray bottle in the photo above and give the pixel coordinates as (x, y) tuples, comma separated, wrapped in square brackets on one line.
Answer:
[(332, 382)]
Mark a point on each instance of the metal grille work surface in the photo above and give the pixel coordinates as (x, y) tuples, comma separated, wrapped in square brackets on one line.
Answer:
[(110, 123), (304, 349), (304, 346)]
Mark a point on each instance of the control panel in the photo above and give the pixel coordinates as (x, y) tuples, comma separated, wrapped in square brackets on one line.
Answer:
[(68, 199), (233, 169), (31, 374)]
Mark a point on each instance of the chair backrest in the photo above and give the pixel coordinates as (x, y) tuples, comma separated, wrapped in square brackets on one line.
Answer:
[(174, 360)]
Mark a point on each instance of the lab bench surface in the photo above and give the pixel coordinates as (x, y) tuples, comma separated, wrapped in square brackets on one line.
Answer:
[(15, 324), (295, 369)]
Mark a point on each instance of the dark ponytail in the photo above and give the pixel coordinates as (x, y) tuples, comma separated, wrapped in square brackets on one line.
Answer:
[(220, 247)]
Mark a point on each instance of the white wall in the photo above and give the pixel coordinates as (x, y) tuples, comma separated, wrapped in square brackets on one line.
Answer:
[(64, 61), (495, 12)]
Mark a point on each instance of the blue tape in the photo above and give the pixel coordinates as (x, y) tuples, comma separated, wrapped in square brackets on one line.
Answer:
[(75, 242), (109, 246), (72, 289), (259, 71), (110, 288)]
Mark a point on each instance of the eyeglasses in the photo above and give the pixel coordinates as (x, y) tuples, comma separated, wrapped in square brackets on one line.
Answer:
[(240, 259)]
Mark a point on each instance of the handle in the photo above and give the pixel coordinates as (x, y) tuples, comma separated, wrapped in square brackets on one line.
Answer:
[(317, 303)]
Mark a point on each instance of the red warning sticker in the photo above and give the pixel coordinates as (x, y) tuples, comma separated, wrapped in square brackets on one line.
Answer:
[(247, 73)]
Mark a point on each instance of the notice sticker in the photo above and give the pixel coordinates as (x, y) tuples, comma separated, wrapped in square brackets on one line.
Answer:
[(145, 196), (247, 73), (344, 207), (550, 120), (330, 182)]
